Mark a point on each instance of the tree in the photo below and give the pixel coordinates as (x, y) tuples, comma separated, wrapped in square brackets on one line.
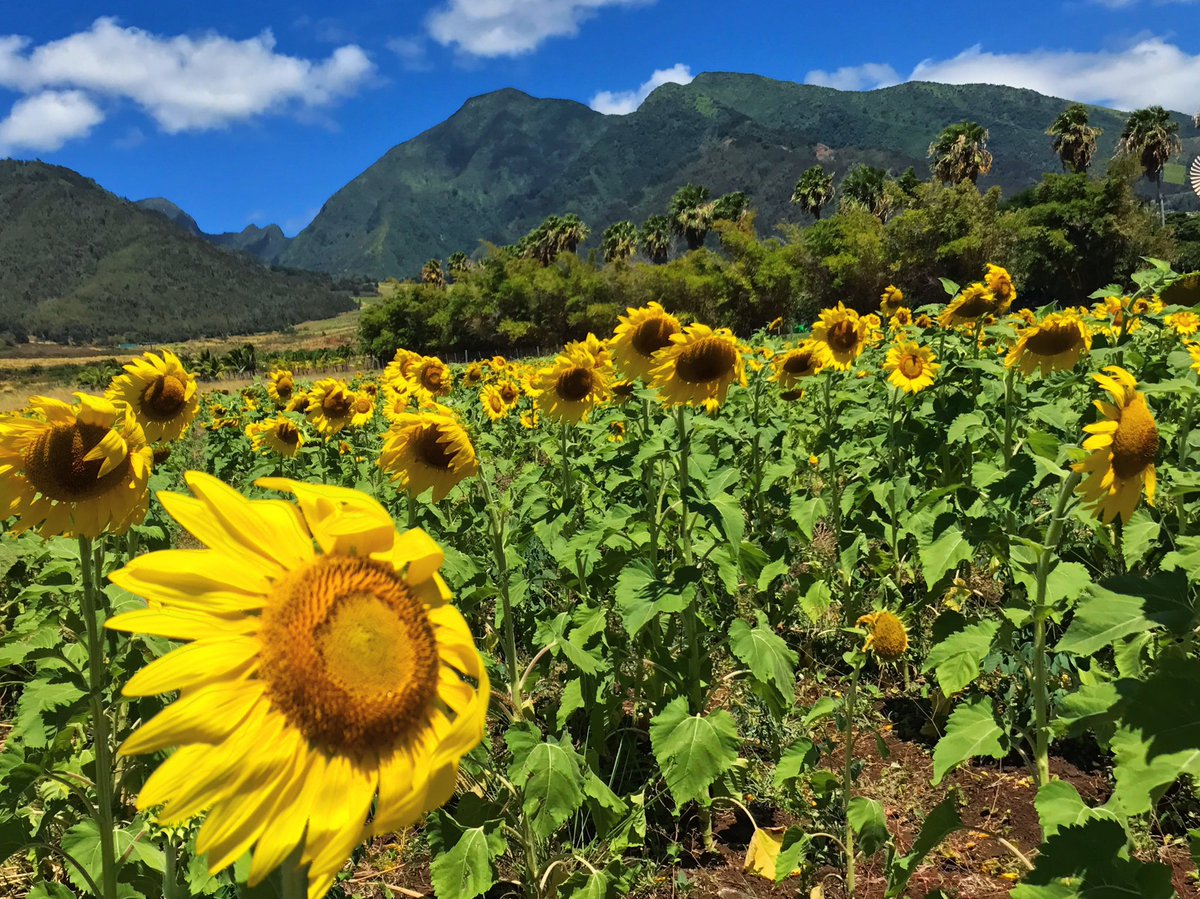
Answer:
[(1151, 137), (431, 273), (691, 214), (656, 238), (865, 187), (619, 241), (1074, 140), (960, 154), (731, 208), (570, 233), (459, 263), (813, 191)]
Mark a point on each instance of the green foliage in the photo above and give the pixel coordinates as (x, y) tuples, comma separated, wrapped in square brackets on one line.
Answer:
[(693, 750)]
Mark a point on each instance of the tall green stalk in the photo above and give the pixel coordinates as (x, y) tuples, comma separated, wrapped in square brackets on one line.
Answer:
[(101, 724), (293, 882), (1009, 377), (834, 485), (848, 771), (502, 578)]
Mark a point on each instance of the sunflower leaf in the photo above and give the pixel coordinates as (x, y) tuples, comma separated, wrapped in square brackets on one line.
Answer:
[(692, 750), (770, 660), (466, 871), (551, 780), (971, 731), (949, 550), (956, 659)]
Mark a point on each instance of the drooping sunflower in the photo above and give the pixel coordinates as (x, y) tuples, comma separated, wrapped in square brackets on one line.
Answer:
[(891, 300), (573, 385), (493, 403), (698, 367), (999, 282), (1054, 344), (775, 326), (331, 405), (641, 333), (281, 384), (432, 375), (843, 334), (1123, 447), (74, 470), (1185, 324), (911, 367), (972, 303), (325, 674), (428, 450), (161, 393), (510, 391), (796, 364), (887, 636), (279, 435), (473, 376)]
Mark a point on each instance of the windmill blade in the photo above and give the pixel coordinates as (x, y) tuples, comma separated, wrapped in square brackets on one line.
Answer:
[(1194, 175)]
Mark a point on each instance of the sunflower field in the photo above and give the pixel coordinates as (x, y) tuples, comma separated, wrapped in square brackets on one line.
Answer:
[(594, 626)]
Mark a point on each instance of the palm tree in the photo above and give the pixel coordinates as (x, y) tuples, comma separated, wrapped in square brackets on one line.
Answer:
[(691, 214), (865, 187), (731, 208), (619, 241), (960, 153), (813, 191), (459, 263), (1074, 139), (243, 360), (656, 238), (1152, 137), (432, 274), (570, 233)]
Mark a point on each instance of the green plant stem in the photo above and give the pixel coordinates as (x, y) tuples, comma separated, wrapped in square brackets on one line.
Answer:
[(1008, 415), (510, 633), (892, 466), (1041, 695), (293, 882), (412, 510), (848, 773), (833, 472), (170, 883), (564, 435), (97, 676), (756, 459), (1186, 430)]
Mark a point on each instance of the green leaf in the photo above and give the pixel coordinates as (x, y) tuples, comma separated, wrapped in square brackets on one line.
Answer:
[(770, 660), (1089, 707), (956, 659), (770, 572), (806, 512), (948, 551), (1106, 617), (1185, 557), (730, 517), (1138, 537), (466, 871), (571, 702), (939, 824), (692, 750), (594, 887), (801, 756), (642, 597), (868, 823), (551, 780), (45, 890), (1058, 806), (38, 699), (972, 731)]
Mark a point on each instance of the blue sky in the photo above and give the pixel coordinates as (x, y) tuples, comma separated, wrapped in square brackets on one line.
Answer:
[(257, 112)]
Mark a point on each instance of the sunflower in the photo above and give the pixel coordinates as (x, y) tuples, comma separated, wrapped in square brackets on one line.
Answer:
[(573, 385), (281, 436), (78, 470), (298, 402), (1053, 344), (363, 409), (326, 692), (641, 333), (281, 384), (1194, 353), (498, 364), (900, 319), (775, 326), (974, 302), (912, 368), (1185, 324), (331, 406), (843, 334), (1123, 447), (698, 366), (428, 449), (622, 391), (432, 375), (616, 432), (793, 365), (493, 403), (923, 321), (401, 365), (886, 635), (510, 391), (999, 282), (891, 300), (473, 376), (530, 420), (161, 393)]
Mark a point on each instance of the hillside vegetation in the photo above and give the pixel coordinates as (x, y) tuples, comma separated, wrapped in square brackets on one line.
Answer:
[(81, 264)]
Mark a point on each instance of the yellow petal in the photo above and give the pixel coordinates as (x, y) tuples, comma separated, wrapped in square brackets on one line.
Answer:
[(197, 580), (194, 664), (207, 716)]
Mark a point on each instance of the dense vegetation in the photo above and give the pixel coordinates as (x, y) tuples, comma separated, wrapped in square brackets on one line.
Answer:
[(80, 264), (506, 161), (1063, 239)]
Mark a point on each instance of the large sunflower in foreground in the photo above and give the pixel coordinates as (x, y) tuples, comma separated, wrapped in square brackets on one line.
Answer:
[(76, 470), (428, 450), (281, 384), (1053, 344), (698, 367), (641, 333), (573, 385), (279, 435), (792, 366), (161, 393), (1123, 447), (327, 688), (911, 367), (887, 636), (331, 406), (973, 303), (844, 335)]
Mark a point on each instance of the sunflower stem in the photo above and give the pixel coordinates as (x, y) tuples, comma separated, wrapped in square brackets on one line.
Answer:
[(833, 472), (1041, 695), (293, 884), (848, 771), (566, 465), (510, 633), (412, 510), (1008, 416), (100, 721), (170, 880)]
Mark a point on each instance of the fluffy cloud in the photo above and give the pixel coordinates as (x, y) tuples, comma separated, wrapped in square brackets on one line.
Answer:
[(625, 102), (1151, 71), (46, 121), (184, 83), (510, 27)]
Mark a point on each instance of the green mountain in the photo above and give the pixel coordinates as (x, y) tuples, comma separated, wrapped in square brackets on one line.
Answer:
[(163, 206), (265, 244), (506, 160), (78, 263)]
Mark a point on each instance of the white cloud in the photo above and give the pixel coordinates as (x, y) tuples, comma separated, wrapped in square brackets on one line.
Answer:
[(46, 121), (625, 102), (866, 77), (184, 83), (510, 27), (412, 52), (1150, 71)]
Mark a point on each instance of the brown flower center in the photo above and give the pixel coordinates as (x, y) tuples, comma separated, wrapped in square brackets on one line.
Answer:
[(432, 378), (349, 655), (652, 335), (509, 393), (337, 404), (163, 398), (843, 336), (800, 362), (55, 466), (431, 451), (911, 366), (975, 303), (1135, 443), (1054, 339), (284, 387), (708, 359), (287, 433), (574, 384)]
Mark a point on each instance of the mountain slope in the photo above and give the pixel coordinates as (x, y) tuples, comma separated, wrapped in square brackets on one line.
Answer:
[(165, 207), (79, 263), (505, 160), (265, 244)]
